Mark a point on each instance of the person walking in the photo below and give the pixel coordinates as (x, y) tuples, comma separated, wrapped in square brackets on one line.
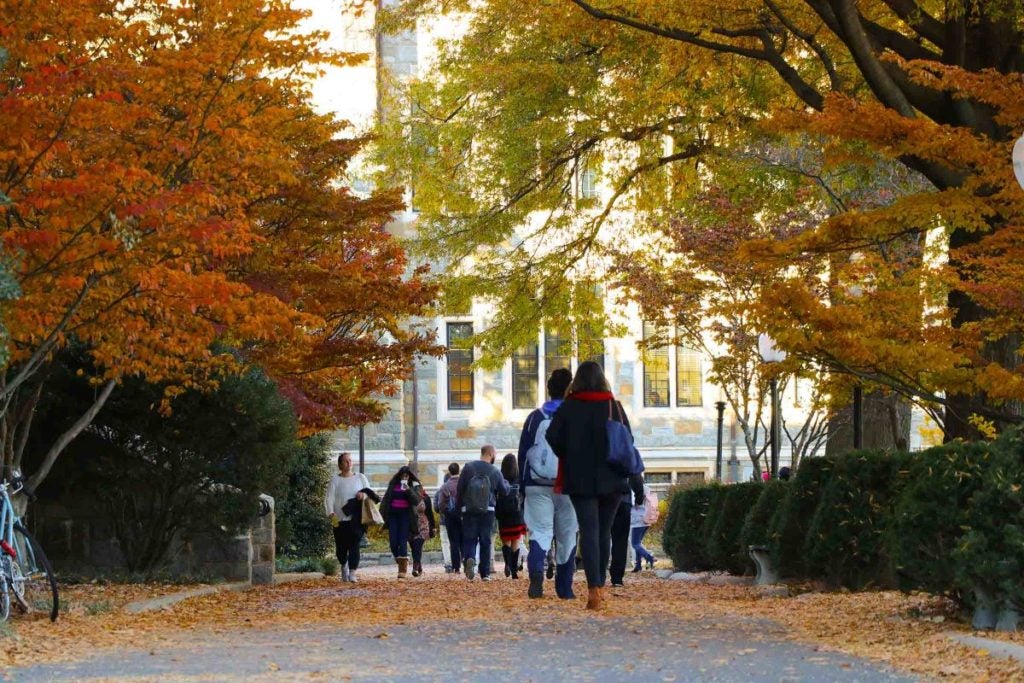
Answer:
[(578, 437), (477, 492), (641, 519), (424, 529), (549, 516), (621, 529), (510, 516), (399, 512), (343, 504), (446, 548), (447, 508)]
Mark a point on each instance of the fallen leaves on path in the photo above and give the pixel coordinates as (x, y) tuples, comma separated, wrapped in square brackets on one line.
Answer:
[(903, 631)]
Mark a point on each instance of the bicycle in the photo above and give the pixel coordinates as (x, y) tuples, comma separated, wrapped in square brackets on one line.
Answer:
[(25, 572)]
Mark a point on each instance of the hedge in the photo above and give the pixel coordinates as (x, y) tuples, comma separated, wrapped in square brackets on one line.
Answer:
[(792, 518), (845, 543), (682, 539), (931, 513), (723, 543), (756, 525)]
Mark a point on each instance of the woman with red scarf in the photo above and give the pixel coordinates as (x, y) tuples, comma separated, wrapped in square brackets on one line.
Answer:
[(578, 437)]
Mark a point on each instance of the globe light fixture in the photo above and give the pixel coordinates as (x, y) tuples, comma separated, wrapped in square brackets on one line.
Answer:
[(1018, 160)]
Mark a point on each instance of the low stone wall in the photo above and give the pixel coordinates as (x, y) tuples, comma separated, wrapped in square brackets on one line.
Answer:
[(79, 541)]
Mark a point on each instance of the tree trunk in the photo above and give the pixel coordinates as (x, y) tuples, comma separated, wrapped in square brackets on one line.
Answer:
[(886, 425)]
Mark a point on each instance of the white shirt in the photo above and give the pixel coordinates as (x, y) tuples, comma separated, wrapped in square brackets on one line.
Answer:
[(341, 490)]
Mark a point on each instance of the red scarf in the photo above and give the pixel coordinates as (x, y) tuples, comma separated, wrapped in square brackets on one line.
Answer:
[(592, 396)]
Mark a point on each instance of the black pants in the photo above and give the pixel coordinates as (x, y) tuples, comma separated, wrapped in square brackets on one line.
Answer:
[(595, 515), (416, 544), (453, 527), (346, 542), (620, 542)]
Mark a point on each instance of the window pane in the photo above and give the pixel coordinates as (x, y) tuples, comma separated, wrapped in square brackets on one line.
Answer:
[(656, 376), (588, 182), (524, 377), (657, 477), (460, 361), (557, 351), (591, 344), (688, 377)]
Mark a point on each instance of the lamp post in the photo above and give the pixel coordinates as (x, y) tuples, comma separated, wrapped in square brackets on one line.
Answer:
[(720, 407), (771, 354), (362, 449)]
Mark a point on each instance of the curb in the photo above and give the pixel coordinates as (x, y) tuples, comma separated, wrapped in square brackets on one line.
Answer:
[(154, 604), (996, 648)]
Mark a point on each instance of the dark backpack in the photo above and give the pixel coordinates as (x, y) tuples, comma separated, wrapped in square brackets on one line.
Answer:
[(477, 498), (452, 507)]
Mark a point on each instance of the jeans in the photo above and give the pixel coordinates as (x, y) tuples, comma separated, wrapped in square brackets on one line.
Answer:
[(398, 532), (595, 515), (478, 528), (446, 546), (548, 515), (642, 554), (346, 542), (417, 550), (453, 523), (620, 542)]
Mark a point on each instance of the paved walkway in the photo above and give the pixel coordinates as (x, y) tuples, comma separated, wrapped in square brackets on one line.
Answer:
[(533, 646)]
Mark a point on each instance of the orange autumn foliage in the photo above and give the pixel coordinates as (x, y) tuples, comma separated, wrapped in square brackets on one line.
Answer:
[(170, 186)]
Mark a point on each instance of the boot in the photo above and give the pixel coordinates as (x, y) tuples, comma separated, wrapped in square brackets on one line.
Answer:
[(469, 565), (536, 589), (344, 573), (563, 579), (403, 566), (514, 554), (506, 554), (417, 569), (595, 598)]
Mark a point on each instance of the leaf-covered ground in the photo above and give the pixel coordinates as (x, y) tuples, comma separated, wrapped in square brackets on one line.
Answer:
[(904, 632)]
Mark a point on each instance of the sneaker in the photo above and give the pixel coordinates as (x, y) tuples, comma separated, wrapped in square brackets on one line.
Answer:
[(344, 575), (352, 576), (469, 565), (485, 578), (447, 569)]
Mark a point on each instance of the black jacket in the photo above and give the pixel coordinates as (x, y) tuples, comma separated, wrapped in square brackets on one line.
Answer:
[(577, 436)]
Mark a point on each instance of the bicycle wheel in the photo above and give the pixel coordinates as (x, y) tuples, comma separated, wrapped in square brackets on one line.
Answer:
[(6, 586), (36, 587)]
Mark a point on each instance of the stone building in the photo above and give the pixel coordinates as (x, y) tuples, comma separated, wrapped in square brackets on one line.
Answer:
[(449, 409)]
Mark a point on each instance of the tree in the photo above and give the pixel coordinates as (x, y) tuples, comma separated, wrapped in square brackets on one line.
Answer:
[(932, 86), (171, 186)]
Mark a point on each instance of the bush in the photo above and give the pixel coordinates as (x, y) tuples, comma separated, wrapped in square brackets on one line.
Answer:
[(790, 522), (990, 555), (755, 526), (845, 543), (714, 512), (723, 543), (931, 513), (682, 540), (302, 528), (162, 479)]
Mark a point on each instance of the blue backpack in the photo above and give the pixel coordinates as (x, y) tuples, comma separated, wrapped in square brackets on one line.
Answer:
[(623, 457)]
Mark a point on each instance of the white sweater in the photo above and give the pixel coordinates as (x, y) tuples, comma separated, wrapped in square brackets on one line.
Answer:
[(341, 490)]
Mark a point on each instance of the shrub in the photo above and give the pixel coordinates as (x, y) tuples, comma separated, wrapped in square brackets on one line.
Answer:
[(755, 526), (791, 520), (158, 479), (990, 555), (683, 540), (845, 543), (723, 543), (930, 515), (302, 528), (707, 527)]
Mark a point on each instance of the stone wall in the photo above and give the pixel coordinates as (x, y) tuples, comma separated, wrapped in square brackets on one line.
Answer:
[(79, 541)]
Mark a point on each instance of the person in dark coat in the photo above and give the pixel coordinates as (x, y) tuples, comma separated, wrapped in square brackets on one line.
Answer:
[(578, 437), (398, 508)]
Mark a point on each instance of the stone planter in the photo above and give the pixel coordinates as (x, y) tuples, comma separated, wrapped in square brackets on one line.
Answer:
[(985, 616), (766, 573)]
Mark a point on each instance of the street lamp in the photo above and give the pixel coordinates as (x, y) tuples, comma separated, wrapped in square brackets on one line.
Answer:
[(772, 354), (720, 407)]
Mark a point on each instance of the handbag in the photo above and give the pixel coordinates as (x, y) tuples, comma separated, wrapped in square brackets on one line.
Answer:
[(623, 457), (371, 514)]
